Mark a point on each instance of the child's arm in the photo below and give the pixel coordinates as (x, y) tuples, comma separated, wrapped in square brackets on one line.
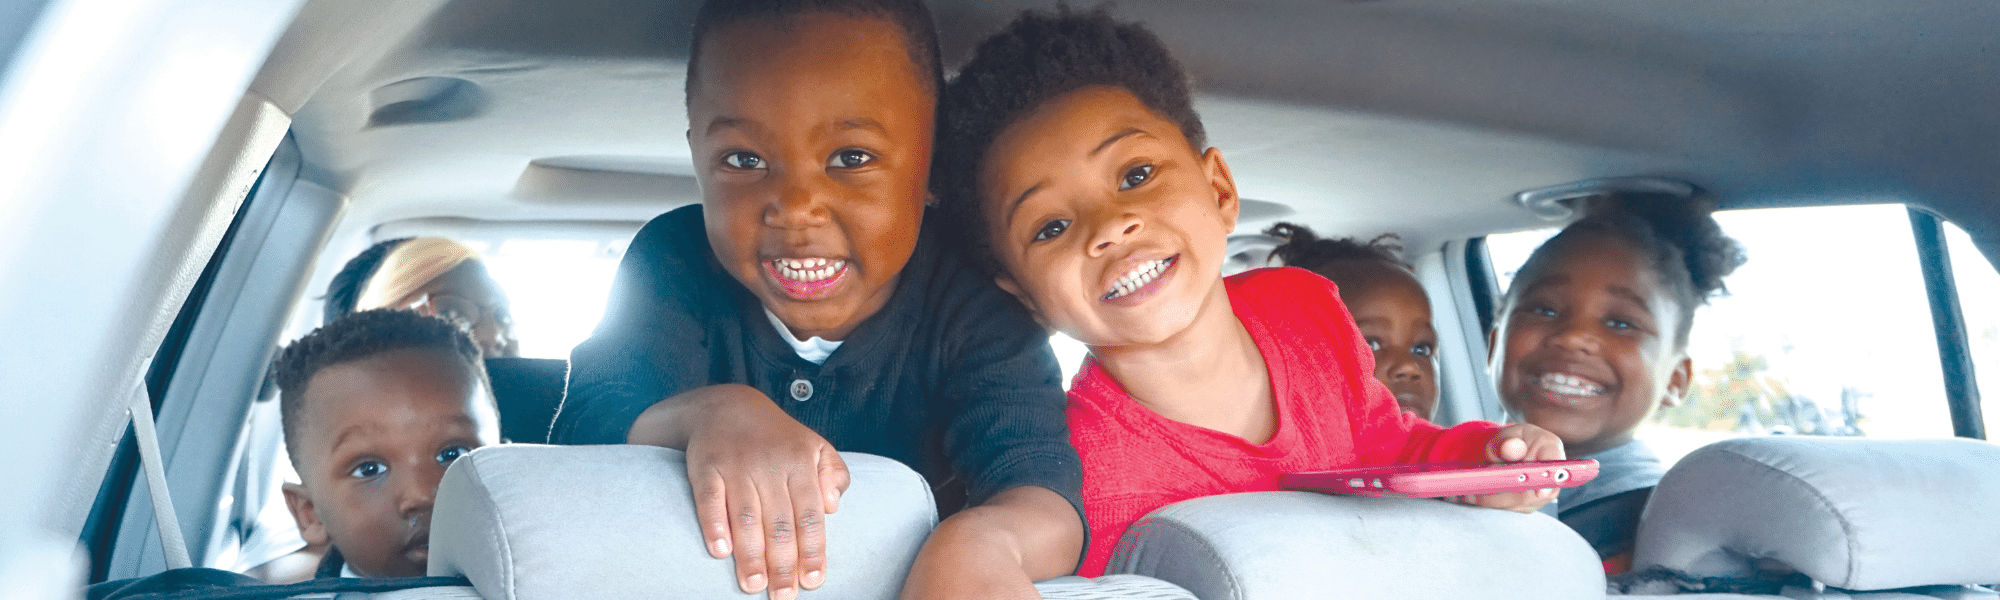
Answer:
[(762, 482), (998, 549), (649, 345), (641, 378)]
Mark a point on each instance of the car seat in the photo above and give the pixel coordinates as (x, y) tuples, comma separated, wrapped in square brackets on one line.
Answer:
[(525, 522), (1284, 545), (1829, 517)]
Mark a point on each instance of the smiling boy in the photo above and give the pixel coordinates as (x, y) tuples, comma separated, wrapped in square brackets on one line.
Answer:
[(374, 406), (1073, 161), (805, 307)]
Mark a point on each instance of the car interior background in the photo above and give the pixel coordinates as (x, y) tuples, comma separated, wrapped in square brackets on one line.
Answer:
[(181, 178)]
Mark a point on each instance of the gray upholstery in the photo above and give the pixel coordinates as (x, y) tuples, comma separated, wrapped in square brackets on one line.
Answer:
[(430, 593), (1850, 513), (527, 522), (1110, 587), (1285, 545)]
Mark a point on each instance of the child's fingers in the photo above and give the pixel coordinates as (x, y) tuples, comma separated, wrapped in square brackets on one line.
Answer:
[(1520, 502), (1512, 449), (711, 510), (783, 511), (746, 526), (1546, 450), (833, 478), (810, 532)]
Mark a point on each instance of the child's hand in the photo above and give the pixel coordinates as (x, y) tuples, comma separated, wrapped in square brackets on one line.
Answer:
[(1517, 443), (762, 484)]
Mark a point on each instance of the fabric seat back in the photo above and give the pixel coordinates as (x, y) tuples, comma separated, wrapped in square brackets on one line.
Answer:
[(1854, 514), (530, 522)]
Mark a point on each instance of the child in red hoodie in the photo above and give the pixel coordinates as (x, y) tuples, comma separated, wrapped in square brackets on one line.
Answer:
[(1070, 158)]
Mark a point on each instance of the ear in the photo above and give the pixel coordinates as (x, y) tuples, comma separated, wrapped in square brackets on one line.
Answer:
[(1677, 383), (1492, 343), (1013, 288), (1224, 186), (305, 514)]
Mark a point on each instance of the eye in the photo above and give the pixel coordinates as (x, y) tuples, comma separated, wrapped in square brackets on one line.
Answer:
[(1543, 311), (368, 470), (1424, 350), (1135, 176), (1619, 324), (849, 158), (1374, 345), (743, 160), (1051, 230), (447, 455)]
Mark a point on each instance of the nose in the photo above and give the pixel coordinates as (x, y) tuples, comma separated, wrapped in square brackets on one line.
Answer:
[(416, 494), (1118, 228), (1400, 367), (495, 339), (797, 203), (1574, 335)]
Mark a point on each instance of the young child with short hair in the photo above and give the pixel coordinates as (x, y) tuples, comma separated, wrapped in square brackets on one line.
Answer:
[(1592, 338), (1388, 303), (1072, 160), (805, 307), (374, 406)]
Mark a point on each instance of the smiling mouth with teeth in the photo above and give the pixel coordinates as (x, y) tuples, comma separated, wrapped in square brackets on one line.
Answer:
[(806, 270), (1569, 385), (1139, 277)]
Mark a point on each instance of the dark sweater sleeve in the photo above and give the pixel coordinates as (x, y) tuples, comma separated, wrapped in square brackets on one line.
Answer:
[(650, 343), (1007, 427)]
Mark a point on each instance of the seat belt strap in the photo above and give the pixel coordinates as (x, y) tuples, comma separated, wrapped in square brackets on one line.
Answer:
[(143, 432)]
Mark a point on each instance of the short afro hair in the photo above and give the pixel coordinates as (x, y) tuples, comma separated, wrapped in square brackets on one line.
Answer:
[(357, 336), (344, 291), (1306, 250), (908, 16), (1687, 247), (1037, 58)]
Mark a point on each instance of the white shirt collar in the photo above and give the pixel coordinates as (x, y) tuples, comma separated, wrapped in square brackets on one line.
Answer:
[(814, 350)]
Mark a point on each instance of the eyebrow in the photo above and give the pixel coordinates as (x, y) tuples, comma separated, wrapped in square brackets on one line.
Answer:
[(1127, 132), (348, 432), (724, 123), (842, 125), (1016, 206), (1629, 294), (861, 123)]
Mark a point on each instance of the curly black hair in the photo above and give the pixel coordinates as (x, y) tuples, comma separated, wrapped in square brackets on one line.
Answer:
[(357, 336), (1688, 248), (1306, 250), (1037, 58), (344, 291), (909, 16)]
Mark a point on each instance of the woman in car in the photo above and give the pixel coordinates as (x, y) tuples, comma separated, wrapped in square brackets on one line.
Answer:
[(434, 276)]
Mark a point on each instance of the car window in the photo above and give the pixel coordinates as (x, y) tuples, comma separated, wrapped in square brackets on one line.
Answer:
[(1825, 331), (1979, 299), (556, 282), (556, 289)]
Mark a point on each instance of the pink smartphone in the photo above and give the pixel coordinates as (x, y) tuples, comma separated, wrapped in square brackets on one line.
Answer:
[(1444, 479)]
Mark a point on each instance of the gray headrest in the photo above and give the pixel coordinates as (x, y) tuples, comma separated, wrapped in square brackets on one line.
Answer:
[(1272, 545), (1850, 513), (528, 522)]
